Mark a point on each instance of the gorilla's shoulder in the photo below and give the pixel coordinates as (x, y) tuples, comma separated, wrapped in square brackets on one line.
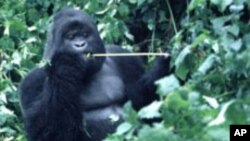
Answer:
[(31, 85), (33, 80), (34, 76)]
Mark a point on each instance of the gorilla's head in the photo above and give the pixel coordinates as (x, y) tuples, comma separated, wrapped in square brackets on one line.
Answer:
[(74, 32)]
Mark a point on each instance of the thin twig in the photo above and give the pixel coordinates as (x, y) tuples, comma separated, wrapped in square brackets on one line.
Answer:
[(172, 16), (153, 34), (129, 54)]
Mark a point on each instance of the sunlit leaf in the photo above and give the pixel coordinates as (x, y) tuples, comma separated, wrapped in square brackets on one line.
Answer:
[(151, 111), (200, 39), (222, 4), (158, 133), (221, 116), (123, 128), (195, 3), (211, 101), (207, 64), (167, 84)]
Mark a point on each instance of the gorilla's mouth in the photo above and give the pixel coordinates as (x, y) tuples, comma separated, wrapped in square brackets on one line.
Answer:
[(88, 55)]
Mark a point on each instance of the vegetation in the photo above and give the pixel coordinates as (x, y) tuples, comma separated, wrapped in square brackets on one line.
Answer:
[(209, 43)]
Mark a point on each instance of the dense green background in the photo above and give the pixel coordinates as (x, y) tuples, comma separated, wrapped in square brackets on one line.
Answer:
[(209, 42)]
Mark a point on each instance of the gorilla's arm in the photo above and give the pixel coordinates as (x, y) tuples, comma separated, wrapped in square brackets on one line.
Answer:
[(50, 98), (147, 87)]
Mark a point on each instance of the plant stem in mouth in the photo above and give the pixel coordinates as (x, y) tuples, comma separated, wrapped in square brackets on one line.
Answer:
[(129, 54)]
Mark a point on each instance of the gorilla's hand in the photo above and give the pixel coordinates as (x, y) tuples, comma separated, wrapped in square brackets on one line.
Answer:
[(66, 66)]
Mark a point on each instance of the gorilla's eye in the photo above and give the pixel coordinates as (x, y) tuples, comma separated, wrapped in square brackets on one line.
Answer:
[(70, 36), (85, 34)]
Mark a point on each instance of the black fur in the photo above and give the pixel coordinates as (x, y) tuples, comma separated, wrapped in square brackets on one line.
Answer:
[(72, 98)]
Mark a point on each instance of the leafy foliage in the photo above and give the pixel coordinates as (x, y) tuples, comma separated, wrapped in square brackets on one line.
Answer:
[(209, 88), (209, 41)]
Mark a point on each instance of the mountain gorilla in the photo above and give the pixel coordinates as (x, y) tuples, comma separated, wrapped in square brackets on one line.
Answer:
[(74, 97)]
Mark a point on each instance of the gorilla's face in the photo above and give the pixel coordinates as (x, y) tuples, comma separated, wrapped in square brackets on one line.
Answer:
[(73, 32), (77, 40), (80, 39)]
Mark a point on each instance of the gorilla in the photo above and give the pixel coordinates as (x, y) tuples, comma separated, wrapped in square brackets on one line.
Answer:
[(73, 97)]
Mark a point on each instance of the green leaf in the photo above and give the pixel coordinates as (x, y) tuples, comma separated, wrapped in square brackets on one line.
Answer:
[(200, 39), (156, 133), (226, 42), (132, 1), (7, 43), (7, 130), (182, 72), (151, 24), (3, 98), (216, 47), (182, 56), (234, 29), (176, 102), (222, 4), (7, 28), (207, 64), (123, 128), (236, 45), (114, 138), (246, 40), (221, 116), (167, 84), (123, 10), (92, 6), (16, 58), (151, 111), (218, 133), (130, 114), (162, 16), (181, 63), (5, 114), (140, 2), (240, 2), (230, 44), (196, 3), (129, 36), (218, 24), (193, 96), (3, 84), (236, 8), (211, 101)]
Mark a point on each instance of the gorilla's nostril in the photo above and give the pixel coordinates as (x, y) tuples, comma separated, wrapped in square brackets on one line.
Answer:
[(80, 44), (83, 44)]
